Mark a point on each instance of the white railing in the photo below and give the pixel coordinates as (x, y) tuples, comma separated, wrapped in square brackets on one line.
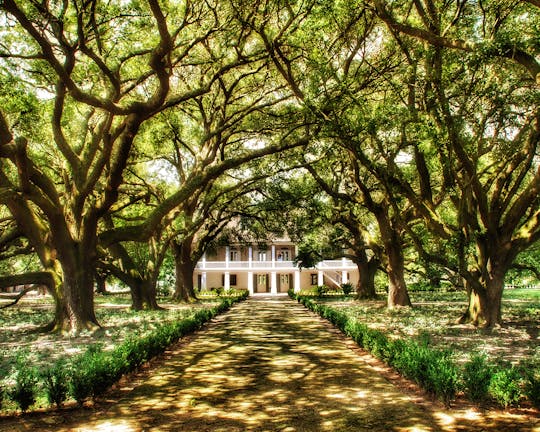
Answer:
[(336, 264), (244, 265), (342, 264)]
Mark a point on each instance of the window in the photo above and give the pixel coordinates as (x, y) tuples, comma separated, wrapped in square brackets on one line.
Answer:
[(314, 279), (261, 279), (285, 256), (262, 255), (284, 279), (232, 280), (233, 255)]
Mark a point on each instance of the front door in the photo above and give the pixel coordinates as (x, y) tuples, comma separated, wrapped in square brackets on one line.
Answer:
[(261, 283)]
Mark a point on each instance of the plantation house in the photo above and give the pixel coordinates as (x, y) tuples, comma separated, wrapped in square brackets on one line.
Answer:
[(268, 269)]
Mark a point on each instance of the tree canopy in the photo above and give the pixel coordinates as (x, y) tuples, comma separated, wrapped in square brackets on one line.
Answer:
[(131, 129)]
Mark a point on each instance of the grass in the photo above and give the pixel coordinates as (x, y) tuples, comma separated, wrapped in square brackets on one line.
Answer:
[(113, 312), (434, 314)]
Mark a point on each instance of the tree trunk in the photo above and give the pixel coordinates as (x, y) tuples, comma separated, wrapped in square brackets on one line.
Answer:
[(184, 267), (78, 290), (184, 289), (484, 303), (397, 288), (101, 287), (366, 270), (143, 295)]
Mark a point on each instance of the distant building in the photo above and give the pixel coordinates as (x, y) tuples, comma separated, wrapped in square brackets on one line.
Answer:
[(269, 270)]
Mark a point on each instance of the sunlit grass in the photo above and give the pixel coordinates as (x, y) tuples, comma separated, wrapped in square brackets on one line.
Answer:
[(18, 324), (434, 316)]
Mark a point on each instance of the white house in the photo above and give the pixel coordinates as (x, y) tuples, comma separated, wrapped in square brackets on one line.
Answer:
[(269, 270)]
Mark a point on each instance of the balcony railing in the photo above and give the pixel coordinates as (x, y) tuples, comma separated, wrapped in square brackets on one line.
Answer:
[(343, 264)]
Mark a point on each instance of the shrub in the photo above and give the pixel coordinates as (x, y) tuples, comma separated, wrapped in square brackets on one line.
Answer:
[(477, 374), (92, 373), (532, 386), (347, 288), (23, 393), (320, 290), (55, 383), (443, 376), (504, 386)]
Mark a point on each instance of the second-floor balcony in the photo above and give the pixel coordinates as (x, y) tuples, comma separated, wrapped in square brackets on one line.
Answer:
[(341, 264)]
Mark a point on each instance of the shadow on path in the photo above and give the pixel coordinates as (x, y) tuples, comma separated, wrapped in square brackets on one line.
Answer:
[(266, 365)]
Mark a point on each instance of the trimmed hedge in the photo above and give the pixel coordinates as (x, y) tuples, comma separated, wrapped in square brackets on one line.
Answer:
[(434, 369), (90, 374)]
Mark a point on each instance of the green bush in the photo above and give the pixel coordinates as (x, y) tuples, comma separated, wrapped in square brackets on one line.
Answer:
[(55, 383), (23, 393), (320, 290), (93, 372), (504, 386), (532, 386), (434, 370), (443, 376), (347, 288), (476, 375)]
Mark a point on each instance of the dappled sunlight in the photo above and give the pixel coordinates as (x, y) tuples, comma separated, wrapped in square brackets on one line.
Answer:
[(112, 425), (271, 365)]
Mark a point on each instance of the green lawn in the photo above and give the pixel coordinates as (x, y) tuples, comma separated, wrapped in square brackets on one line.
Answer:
[(434, 315), (18, 324)]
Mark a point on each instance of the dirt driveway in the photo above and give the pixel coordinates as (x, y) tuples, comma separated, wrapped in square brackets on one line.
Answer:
[(268, 365)]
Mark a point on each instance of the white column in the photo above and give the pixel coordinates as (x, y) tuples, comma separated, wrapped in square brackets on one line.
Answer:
[(273, 255), (320, 278), (273, 283), (297, 281), (250, 259), (227, 255), (250, 283), (203, 260), (227, 281), (344, 278), (203, 280)]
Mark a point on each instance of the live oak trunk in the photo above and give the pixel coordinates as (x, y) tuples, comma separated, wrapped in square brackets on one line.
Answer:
[(395, 265), (184, 267), (367, 268), (78, 287), (143, 295), (485, 283), (484, 302)]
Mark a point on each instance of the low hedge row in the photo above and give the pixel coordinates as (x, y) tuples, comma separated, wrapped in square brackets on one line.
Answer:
[(436, 370), (90, 374)]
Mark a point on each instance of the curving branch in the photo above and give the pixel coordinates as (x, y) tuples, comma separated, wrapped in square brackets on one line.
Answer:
[(34, 279), (510, 52)]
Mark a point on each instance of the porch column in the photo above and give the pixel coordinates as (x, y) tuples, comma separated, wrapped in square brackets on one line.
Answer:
[(320, 278), (273, 255), (227, 281), (250, 283), (203, 280), (203, 260), (273, 283), (227, 255), (250, 258), (297, 281), (344, 278)]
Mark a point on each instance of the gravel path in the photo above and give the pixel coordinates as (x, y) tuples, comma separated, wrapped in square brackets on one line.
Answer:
[(266, 365)]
